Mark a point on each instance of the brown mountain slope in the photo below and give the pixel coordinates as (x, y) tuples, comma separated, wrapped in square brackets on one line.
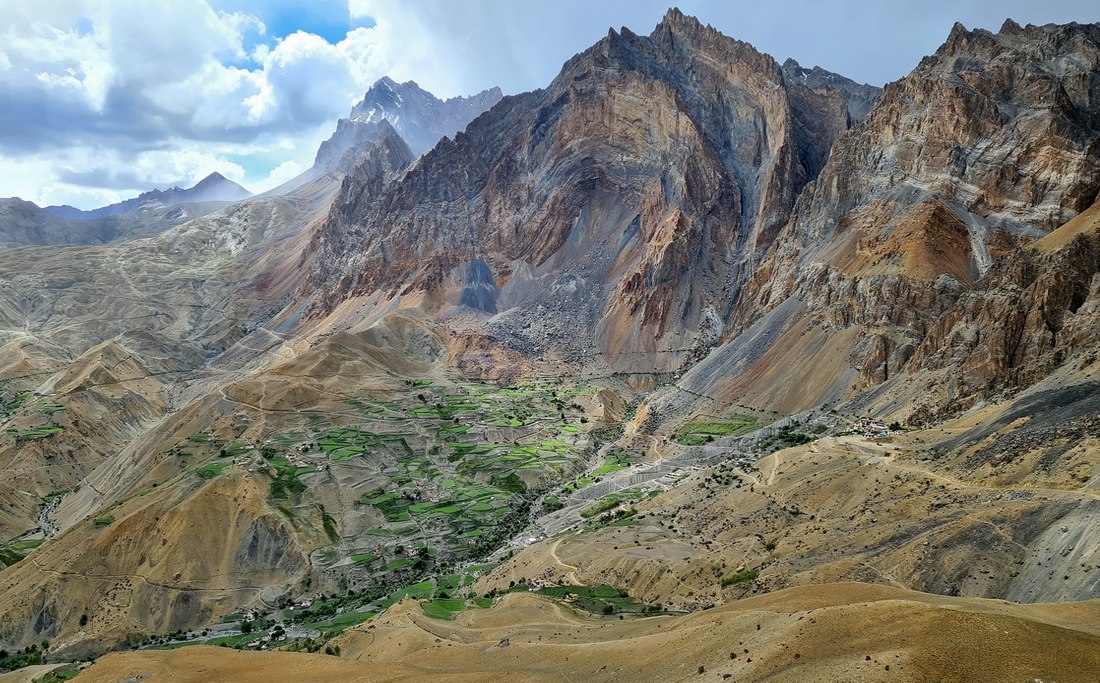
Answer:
[(127, 585), (1001, 502), (831, 632), (1085, 223)]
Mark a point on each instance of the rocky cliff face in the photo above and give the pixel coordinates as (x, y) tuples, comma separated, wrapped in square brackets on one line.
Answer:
[(1032, 311), (987, 145), (1002, 128), (633, 195)]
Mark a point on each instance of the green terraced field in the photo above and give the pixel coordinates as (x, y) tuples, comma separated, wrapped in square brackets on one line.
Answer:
[(453, 470), (211, 470), (698, 432), (611, 501), (595, 599), (15, 551), (9, 403), (35, 433)]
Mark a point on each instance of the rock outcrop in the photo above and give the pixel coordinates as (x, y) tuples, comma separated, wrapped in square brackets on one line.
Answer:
[(986, 146)]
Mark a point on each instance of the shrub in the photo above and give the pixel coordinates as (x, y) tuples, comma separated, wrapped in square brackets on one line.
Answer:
[(739, 577)]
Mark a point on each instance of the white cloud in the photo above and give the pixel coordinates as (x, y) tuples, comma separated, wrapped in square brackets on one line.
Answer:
[(34, 179), (108, 96), (280, 174), (90, 176), (406, 43)]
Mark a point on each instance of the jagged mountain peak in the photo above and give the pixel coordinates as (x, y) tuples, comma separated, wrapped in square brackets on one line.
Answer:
[(420, 117), (1022, 41), (674, 17)]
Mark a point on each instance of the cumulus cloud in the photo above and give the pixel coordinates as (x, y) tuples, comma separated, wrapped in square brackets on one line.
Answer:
[(116, 96)]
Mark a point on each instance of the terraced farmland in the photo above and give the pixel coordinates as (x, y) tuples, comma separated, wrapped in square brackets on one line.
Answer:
[(420, 481)]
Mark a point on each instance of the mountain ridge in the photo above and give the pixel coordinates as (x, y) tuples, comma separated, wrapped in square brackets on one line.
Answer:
[(213, 188)]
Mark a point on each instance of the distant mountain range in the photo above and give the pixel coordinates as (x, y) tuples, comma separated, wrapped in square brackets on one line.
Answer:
[(213, 188)]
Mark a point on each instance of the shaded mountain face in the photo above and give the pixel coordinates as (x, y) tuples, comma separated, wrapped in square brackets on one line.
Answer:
[(861, 96), (24, 223), (632, 195), (213, 188)]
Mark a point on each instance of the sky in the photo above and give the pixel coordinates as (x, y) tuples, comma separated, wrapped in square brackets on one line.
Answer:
[(103, 99)]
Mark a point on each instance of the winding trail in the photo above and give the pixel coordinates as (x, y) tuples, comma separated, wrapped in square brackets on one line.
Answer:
[(143, 579), (775, 469), (745, 475), (880, 456), (572, 575)]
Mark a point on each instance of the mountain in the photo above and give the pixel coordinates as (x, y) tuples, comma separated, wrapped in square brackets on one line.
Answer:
[(213, 188), (420, 117), (687, 342), (24, 223), (625, 198)]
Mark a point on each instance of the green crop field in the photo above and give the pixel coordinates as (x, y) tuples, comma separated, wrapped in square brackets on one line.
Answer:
[(699, 432), (604, 600), (212, 470), (36, 432), (15, 551)]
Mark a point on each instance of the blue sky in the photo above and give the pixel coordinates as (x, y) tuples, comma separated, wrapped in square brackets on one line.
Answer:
[(103, 99)]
